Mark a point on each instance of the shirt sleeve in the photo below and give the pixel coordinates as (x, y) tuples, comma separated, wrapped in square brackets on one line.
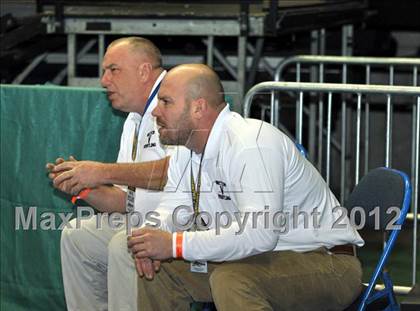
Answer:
[(259, 174)]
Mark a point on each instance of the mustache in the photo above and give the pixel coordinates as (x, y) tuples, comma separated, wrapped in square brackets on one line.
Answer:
[(159, 122)]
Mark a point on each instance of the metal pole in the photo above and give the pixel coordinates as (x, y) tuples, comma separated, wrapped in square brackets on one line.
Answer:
[(22, 76), (314, 42), (358, 117), (62, 74), (322, 41), (299, 118), (388, 131), (210, 46), (329, 137), (219, 56), (343, 151), (241, 70), (321, 122), (347, 40), (315, 50), (312, 121), (367, 129), (71, 57), (274, 114), (416, 191), (101, 52), (346, 50), (343, 138), (255, 61), (263, 60), (312, 131), (344, 40), (298, 75), (413, 134), (317, 47)]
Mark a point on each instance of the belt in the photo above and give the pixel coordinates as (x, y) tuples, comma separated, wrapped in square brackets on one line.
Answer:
[(346, 249)]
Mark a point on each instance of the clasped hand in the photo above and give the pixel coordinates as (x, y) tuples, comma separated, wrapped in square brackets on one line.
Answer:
[(72, 176), (149, 247)]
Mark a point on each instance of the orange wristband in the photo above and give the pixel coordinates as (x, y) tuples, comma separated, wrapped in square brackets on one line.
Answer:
[(81, 196), (179, 238)]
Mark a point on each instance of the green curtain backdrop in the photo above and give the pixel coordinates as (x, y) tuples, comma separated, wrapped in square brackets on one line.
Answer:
[(38, 124)]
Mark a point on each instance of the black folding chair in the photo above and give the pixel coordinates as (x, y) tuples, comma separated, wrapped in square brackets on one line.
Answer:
[(382, 199)]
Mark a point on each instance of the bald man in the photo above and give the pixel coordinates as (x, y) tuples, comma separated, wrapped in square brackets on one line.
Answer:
[(232, 236), (98, 271)]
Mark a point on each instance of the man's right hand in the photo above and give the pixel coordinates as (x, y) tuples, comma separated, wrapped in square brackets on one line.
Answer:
[(74, 176), (51, 167), (54, 171)]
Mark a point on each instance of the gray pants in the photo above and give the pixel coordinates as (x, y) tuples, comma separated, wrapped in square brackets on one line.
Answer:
[(283, 280), (98, 270)]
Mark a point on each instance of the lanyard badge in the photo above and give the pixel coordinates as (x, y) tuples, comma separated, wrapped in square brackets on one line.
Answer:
[(195, 192), (131, 191), (197, 266)]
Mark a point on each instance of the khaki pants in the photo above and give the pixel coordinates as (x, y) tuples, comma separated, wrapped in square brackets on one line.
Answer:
[(98, 270), (283, 280)]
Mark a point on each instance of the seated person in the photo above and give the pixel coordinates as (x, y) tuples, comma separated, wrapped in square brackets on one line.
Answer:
[(98, 272), (253, 224)]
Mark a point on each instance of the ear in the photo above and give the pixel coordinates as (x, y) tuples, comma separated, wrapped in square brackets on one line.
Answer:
[(144, 71), (199, 108)]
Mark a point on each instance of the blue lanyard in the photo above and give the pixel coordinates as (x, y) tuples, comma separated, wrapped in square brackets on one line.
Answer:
[(151, 97), (137, 129)]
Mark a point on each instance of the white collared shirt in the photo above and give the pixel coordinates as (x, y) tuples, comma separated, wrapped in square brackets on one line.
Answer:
[(253, 170), (148, 149)]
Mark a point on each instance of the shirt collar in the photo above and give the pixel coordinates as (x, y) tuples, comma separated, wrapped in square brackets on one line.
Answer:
[(213, 142)]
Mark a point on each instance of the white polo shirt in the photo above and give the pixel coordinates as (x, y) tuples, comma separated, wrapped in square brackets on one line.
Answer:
[(252, 170), (148, 149)]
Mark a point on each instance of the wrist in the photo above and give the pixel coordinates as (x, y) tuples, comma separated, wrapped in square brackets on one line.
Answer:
[(81, 196), (104, 173), (177, 244)]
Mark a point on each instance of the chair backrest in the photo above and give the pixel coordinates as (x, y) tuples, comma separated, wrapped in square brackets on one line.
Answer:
[(385, 190), (383, 198)]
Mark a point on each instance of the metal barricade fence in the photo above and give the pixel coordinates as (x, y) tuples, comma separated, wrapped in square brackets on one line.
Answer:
[(358, 95), (341, 68)]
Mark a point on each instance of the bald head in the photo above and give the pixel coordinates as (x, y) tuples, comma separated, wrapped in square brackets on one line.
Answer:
[(190, 101), (143, 47), (131, 67), (200, 81)]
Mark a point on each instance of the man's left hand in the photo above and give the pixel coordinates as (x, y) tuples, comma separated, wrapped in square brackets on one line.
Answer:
[(153, 243), (147, 267)]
